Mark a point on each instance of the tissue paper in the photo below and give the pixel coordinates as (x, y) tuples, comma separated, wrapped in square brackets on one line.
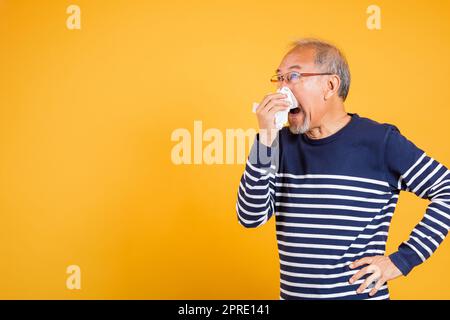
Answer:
[(281, 117)]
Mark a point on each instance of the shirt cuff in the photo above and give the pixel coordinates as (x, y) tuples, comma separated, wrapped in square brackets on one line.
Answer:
[(263, 156), (401, 263)]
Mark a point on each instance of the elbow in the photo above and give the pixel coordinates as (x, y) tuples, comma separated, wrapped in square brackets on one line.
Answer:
[(251, 221), (249, 225)]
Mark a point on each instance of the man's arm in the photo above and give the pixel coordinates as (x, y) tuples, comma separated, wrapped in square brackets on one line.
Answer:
[(414, 171), (409, 168), (255, 203)]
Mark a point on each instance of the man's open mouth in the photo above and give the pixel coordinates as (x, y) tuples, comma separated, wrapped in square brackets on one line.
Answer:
[(295, 110)]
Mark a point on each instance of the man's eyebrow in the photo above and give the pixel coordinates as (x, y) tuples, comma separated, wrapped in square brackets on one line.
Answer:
[(296, 66)]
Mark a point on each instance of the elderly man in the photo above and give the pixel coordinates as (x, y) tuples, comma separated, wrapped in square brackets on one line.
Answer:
[(333, 179)]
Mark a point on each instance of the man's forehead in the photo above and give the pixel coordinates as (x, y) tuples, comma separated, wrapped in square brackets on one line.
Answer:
[(297, 59), (295, 66)]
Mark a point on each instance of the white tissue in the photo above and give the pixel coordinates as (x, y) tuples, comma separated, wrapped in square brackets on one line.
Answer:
[(281, 117)]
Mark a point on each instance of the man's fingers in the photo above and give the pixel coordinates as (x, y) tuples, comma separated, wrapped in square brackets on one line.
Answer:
[(377, 287), (360, 262), (263, 106), (267, 99), (366, 283), (275, 109), (358, 275), (275, 103)]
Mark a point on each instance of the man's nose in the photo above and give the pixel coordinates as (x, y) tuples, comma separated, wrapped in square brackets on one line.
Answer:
[(284, 83)]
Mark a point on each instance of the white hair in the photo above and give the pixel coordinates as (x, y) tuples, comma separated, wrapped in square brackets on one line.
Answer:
[(302, 127), (329, 59)]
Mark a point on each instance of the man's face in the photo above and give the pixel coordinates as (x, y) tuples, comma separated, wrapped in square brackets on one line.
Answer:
[(309, 91)]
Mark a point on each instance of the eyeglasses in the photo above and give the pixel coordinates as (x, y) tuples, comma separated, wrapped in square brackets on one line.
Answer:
[(295, 76)]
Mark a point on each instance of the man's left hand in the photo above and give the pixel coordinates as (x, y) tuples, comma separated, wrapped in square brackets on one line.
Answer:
[(381, 268)]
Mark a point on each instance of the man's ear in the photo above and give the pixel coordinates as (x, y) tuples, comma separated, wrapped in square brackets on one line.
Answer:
[(332, 87)]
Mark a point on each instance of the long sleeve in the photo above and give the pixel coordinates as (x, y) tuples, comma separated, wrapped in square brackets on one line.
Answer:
[(411, 169), (255, 203)]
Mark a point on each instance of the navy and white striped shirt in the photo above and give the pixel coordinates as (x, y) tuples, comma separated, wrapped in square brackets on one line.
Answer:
[(333, 200)]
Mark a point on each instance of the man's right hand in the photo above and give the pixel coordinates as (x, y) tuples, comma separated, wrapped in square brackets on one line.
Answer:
[(271, 104)]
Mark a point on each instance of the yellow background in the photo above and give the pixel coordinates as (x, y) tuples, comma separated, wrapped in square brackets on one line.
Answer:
[(86, 119)]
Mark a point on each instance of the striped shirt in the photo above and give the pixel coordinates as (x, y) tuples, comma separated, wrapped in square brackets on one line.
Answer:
[(333, 200)]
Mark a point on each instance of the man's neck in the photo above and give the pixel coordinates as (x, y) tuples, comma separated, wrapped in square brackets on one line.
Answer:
[(332, 122)]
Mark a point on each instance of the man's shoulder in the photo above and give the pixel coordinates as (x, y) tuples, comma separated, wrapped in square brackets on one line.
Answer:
[(372, 126), (365, 128)]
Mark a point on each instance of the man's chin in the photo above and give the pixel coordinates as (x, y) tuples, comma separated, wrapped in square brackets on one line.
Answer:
[(297, 123), (294, 129)]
